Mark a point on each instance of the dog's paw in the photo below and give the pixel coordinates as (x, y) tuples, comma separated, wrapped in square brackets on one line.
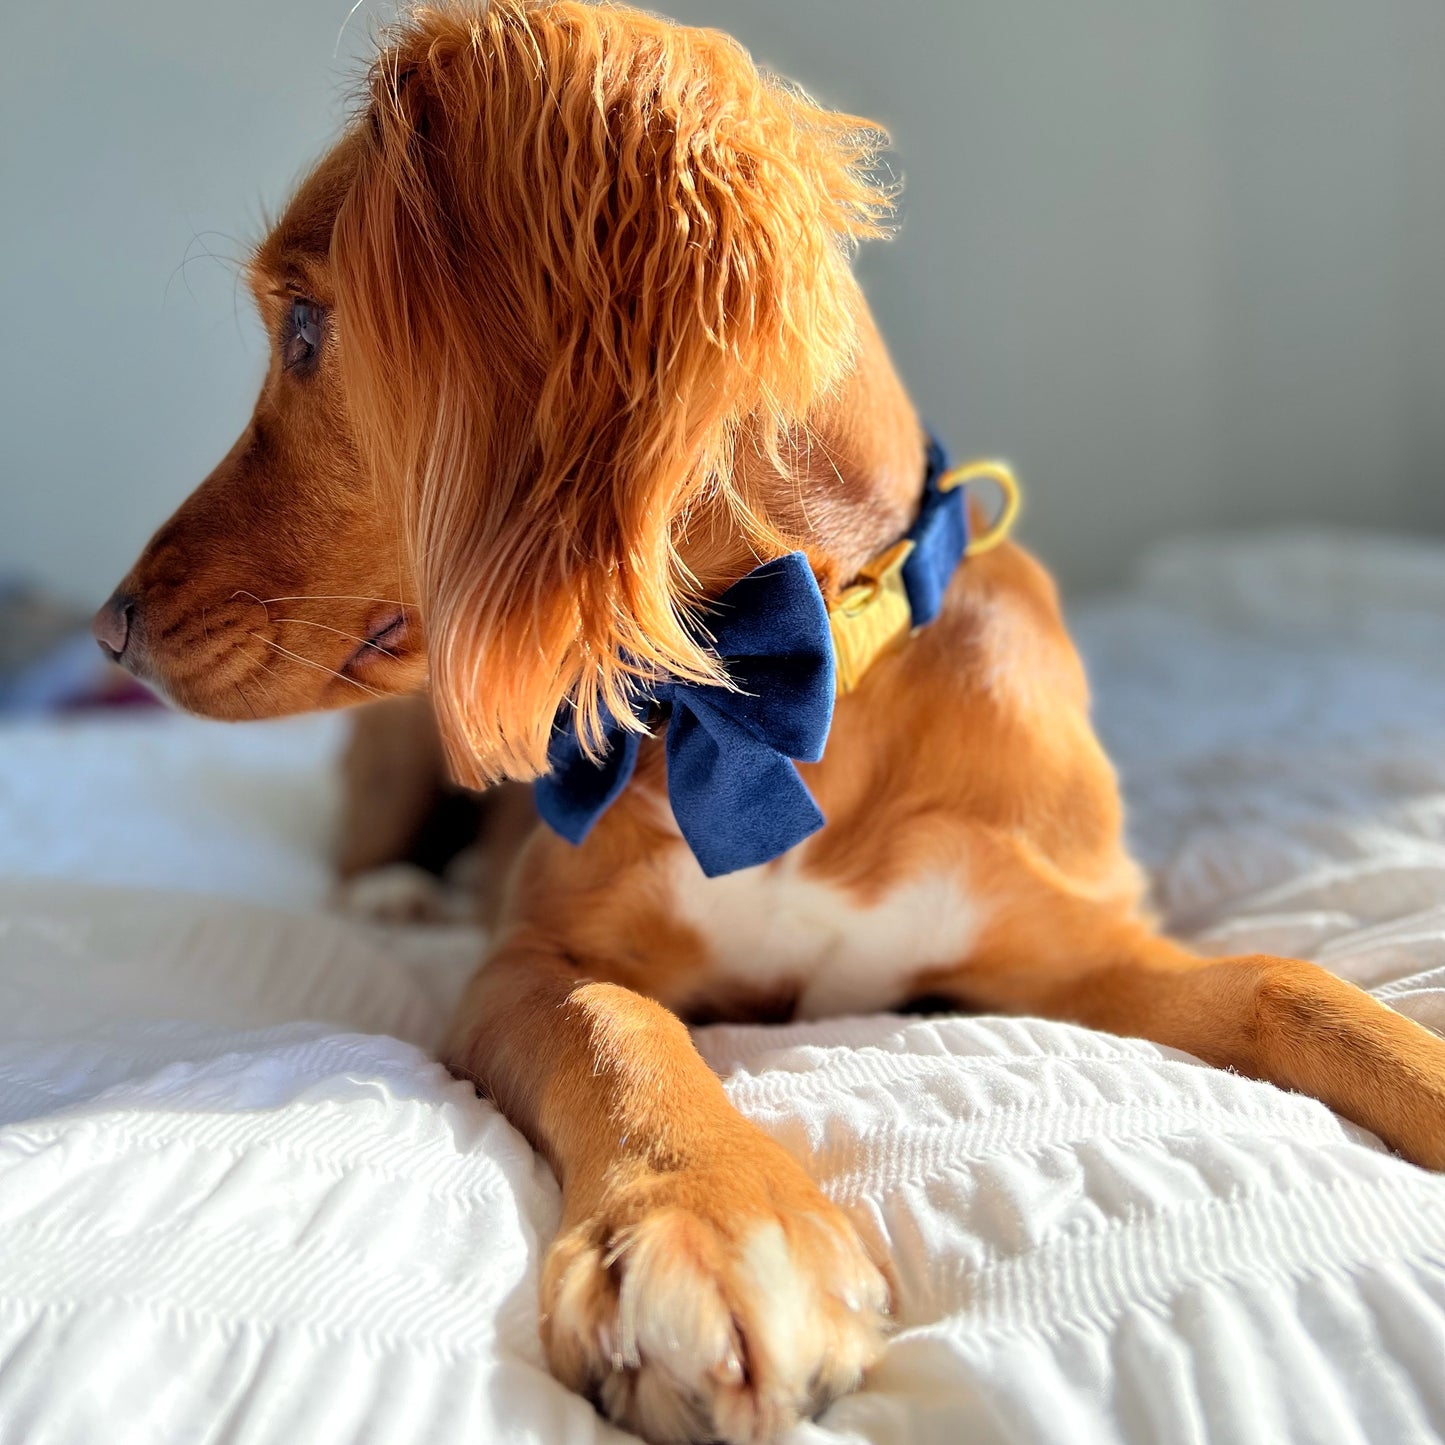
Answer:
[(696, 1308), (394, 893), (401, 893)]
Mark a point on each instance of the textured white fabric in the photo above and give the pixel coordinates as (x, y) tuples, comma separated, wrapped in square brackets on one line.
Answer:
[(239, 1202)]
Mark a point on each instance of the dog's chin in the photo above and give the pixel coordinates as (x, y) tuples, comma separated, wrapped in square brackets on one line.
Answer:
[(283, 687), (253, 698)]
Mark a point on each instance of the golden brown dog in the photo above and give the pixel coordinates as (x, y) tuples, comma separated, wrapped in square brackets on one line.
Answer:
[(565, 342)]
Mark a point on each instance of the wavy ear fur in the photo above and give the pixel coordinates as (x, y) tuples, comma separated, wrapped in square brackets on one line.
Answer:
[(585, 250)]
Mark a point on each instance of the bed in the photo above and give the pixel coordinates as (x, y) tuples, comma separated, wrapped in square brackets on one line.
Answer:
[(240, 1201)]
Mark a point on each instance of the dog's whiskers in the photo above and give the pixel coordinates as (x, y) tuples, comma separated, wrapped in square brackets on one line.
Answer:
[(241, 693), (326, 627), (324, 597), (341, 34), (319, 666), (259, 601)]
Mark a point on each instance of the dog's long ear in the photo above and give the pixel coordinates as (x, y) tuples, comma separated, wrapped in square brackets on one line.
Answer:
[(585, 248)]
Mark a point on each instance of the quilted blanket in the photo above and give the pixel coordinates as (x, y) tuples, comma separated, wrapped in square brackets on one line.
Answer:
[(239, 1201)]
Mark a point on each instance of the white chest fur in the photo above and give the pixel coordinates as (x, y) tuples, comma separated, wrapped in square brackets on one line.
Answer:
[(772, 926)]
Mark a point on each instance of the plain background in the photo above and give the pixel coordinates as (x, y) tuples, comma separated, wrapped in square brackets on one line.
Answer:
[(1182, 260)]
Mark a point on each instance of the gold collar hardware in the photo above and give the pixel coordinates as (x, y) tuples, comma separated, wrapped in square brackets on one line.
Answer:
[(873, 615), (1002, 476), (870, 616)]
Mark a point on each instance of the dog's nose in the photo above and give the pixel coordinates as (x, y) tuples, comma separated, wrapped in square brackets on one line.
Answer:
[(111, 625)]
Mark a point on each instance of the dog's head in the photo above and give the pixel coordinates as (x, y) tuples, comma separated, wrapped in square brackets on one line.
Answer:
[(568, 263)]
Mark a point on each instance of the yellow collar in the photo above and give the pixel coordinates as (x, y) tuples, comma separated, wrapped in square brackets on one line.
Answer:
[(881, 608)]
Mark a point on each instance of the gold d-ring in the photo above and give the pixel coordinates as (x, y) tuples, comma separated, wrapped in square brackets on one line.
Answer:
[(1002, 476)]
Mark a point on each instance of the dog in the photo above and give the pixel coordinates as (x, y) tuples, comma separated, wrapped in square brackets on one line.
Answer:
[(576, 419)]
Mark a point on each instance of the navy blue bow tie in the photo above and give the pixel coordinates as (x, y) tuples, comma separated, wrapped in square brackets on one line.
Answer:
[(731, 779)]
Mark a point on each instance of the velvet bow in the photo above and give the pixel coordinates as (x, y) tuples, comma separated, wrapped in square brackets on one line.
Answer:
[(731, 780)]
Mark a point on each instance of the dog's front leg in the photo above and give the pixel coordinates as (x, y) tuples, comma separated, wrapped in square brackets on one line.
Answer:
[(701, 1287)]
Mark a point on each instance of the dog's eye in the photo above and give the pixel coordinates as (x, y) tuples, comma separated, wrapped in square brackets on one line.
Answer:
[(302, 341)]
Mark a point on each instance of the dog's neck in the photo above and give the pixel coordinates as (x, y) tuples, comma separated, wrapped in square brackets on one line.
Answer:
[(848, 494)]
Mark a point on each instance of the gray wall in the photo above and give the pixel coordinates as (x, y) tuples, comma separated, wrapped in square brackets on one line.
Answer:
[(1183, 261)]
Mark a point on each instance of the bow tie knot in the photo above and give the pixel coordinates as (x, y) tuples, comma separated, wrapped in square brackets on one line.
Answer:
[(731, 751)]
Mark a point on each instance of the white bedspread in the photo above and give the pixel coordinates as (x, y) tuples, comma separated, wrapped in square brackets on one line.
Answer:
[(239, 1202)]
